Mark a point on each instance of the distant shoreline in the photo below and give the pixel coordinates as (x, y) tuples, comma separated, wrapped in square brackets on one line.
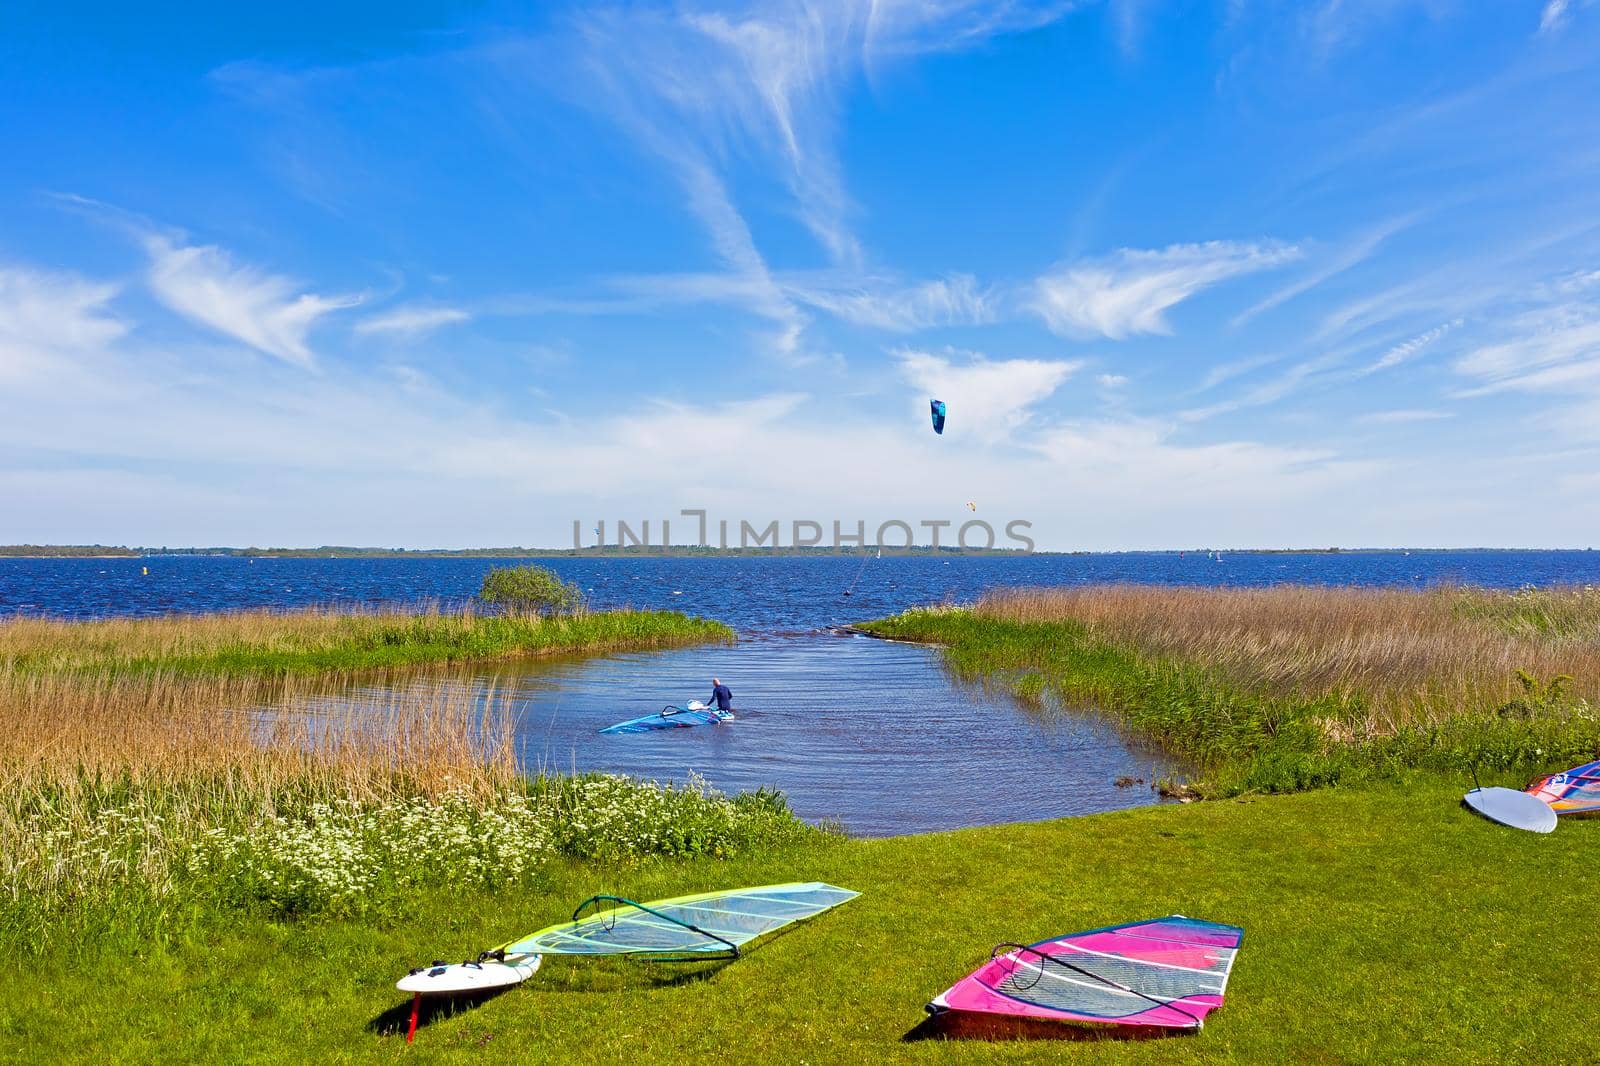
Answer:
[(687, 551)]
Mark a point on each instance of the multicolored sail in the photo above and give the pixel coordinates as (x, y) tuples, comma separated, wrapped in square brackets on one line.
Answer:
[(1165, 973), (706, 926), (1574, 791), (671, 718)]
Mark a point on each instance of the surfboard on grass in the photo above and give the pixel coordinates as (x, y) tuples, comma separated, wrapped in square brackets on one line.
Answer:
[(465, 978), (490, 972), (1519, 810)]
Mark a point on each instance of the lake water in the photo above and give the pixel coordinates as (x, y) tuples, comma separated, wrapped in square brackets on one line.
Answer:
[(754, 595), (872, 733)]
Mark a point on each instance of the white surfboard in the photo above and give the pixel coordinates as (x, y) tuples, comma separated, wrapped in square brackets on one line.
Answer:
[(1507, 806), (464, 978)]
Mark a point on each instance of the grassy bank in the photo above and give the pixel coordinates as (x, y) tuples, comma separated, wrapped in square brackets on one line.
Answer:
[(1288, 688), (117, 862), (154, 768), (280, 643), (1381, 926)]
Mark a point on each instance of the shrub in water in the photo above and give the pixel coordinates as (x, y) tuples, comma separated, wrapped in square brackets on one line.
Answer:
[(530, 588)]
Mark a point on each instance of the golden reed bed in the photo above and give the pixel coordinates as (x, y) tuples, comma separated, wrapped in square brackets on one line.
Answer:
[(106, 778), (1411, 653)]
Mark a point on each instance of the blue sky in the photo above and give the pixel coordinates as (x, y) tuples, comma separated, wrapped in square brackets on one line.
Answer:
[(1232, 273)]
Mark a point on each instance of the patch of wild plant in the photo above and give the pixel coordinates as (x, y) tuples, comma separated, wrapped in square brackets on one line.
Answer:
[(600, 816), (347, 855)]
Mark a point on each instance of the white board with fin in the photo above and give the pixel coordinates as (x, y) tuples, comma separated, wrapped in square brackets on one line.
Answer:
[(464, 978), (1507, 806)]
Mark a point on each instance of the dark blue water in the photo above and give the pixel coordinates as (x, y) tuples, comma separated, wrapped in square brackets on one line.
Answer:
[(871, 733), (754, 594)]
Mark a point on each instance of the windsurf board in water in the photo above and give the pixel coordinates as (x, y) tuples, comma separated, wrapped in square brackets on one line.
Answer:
[(464, 978), (674, 717), (1507, 806)]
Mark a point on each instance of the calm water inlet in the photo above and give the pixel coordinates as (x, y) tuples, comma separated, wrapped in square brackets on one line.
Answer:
[(874, 734)]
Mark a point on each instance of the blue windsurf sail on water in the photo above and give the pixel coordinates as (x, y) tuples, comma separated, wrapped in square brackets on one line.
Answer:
[(671, 718), (938, 415)]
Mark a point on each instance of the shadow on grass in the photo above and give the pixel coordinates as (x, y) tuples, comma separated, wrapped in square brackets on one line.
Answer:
[(954, 1025), (395, 1020), (611, 975)]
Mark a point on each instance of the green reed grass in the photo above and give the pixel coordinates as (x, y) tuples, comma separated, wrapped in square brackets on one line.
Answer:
[(278, 643), (1292, 688)]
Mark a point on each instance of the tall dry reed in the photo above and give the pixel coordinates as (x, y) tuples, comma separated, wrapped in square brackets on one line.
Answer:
[(1414, 656), (55, 643), (105, 777)]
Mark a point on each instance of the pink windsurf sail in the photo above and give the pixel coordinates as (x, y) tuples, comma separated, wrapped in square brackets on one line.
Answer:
[(1574, 791), (1164, 973)]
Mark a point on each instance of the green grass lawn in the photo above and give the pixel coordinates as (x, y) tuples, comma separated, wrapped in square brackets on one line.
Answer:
[(1383, 925)]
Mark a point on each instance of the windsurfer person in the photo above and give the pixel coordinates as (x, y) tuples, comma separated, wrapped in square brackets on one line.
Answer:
[(721, 697)]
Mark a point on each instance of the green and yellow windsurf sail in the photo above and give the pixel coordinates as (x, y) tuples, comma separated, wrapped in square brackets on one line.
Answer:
[(705, 926)]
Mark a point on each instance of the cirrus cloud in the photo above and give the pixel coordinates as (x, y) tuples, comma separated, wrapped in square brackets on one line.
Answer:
[(1130, 291), (266, 311), (411, 321)]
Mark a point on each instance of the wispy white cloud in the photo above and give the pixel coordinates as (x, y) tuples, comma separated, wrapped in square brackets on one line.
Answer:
[(894, 29), (1406, 349), (705, 91), (652, 89), (1285, 383), (1553, 16), (875, 302), (1329, 26), (987, 399), (1235, 368), (269, 312), (885, 304), (1128, 16), (47, 318), (1576, 282), (1352, 253), (698, 89), (412, 321), (1131, 291), (1111, 381), (1543, 349), (1402, 416), (1328, 366), (776, 68)]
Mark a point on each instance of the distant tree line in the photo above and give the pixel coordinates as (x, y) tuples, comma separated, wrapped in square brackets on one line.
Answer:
[(67, 550)]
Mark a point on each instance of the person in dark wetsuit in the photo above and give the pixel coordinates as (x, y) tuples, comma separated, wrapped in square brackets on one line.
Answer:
[(721, 696)]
